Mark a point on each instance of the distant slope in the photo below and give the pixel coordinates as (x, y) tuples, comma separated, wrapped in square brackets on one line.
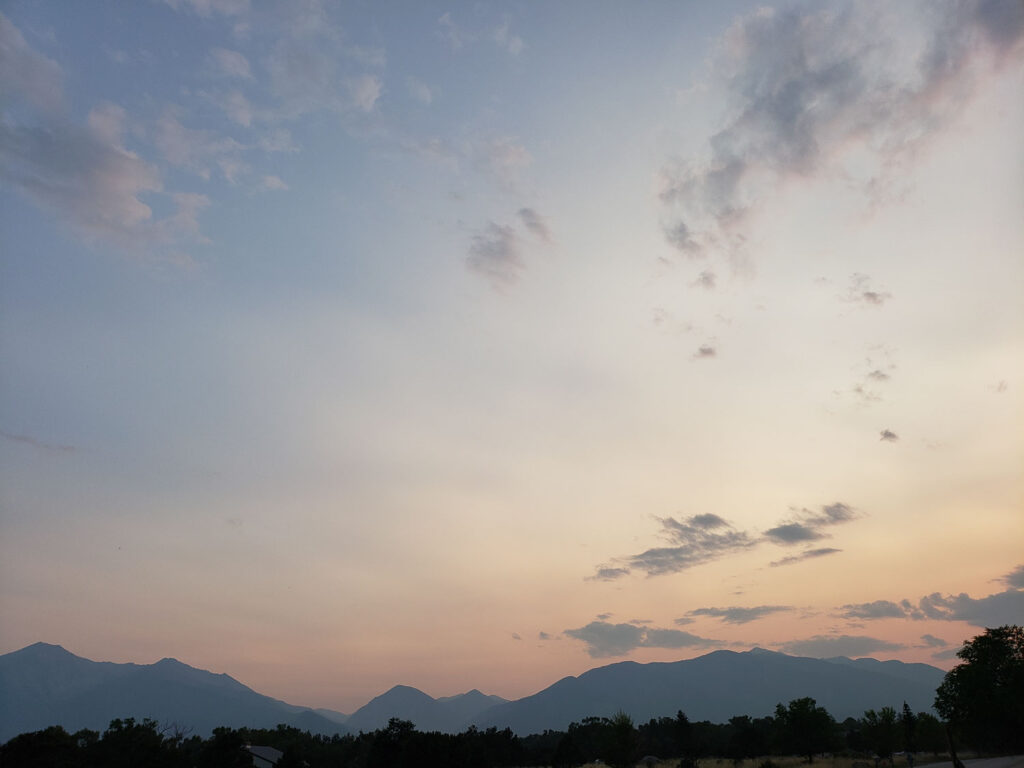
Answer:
[(44, 685), (450, 714), (717, 686)]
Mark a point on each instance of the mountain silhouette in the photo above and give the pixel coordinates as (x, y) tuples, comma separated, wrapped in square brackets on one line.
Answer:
[(43, 685), (718, 686), (450, 714)]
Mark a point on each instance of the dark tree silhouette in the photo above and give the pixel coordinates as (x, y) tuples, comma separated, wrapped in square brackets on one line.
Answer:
[(881, 732), (982, 698), (805, 728)]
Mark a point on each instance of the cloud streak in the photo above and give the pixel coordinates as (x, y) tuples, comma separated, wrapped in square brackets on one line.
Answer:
[(739, 615)]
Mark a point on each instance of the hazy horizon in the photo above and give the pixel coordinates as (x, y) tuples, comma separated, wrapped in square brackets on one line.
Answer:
[(474, 345)]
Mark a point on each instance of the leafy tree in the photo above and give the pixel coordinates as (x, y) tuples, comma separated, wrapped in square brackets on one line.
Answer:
[(50, 748), (881, 732), (931, 737), (622, 741), (805, 728), (983, 696)]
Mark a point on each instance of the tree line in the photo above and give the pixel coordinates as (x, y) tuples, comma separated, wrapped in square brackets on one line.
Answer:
[(981, 702)]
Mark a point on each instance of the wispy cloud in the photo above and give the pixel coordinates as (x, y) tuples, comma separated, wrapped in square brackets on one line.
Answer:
[(26, 73), (36, 443), (208, 8), (230, 63), (706, 280), (809, 554), (535, 224), (604, 639), (695, 540), (888, 436), (862, 291), (495, 254), (931, 641), (809, 82), (705, 352), (739, 615)]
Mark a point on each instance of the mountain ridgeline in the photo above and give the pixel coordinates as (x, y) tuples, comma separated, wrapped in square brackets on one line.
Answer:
[(44, 685)]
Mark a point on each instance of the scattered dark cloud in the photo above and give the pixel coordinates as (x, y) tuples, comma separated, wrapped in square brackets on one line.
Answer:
[(862, 291), (1015, 578), (879, 609), (705, 352), (878, 375), (604, 616), (608, 573), (695, 540), (827, 646), (946, 655), (515, 636), (888, 436), (932, 641), (604, 639), (495, 254), (535, 224), (808, 82), (793, 533), (1000, 387), (706, 279), (991, 611), (806, 524), (682, 621), (543, 636), (36, 443), (738, 615), (701, 538), (997, 609), (809, 554)]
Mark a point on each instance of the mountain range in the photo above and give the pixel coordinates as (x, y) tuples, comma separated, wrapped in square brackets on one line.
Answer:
[(43, 685)]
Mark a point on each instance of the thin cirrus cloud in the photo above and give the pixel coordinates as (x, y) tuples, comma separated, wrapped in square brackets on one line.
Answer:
[(603, 639), (702, 538), (740, 615), (809, 84), (35, 442), (808, 554)]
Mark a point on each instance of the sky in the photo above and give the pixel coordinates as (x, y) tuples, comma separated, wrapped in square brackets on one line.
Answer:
[(474, 345)]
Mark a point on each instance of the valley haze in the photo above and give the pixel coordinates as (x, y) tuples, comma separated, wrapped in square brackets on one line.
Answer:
[(43, 685)]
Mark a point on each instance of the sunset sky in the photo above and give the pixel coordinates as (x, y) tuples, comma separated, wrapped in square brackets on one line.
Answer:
[(478, 344)]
